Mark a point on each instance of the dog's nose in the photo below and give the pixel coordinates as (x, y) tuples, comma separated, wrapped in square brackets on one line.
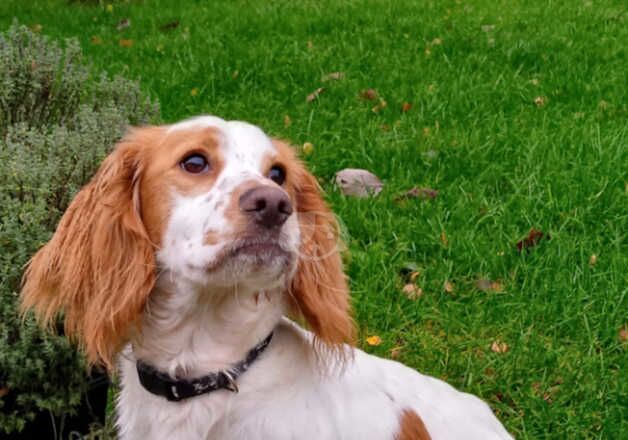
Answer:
[(267, 206)]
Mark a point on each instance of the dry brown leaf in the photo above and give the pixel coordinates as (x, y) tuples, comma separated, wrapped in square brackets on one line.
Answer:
[(333, 76), (314, 95), (622, 334), (382, 104), (169, 26), (540, 101), (414, 275), (412, 292), (593, 260), (419, 193), (448, 286), (287, 121), (369, 94), (358, 182), (125, 43), (395, 352), (123, 24), (374, 340), (443, 239), (3, 392), (499, 347), (405, 107), (533, 239)]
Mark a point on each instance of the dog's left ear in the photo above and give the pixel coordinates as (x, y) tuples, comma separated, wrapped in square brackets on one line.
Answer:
[(320, 292)]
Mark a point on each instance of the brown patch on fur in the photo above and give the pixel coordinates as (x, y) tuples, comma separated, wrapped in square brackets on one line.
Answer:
[(411, 427), (163, 174), (319, 289), (211, 238)]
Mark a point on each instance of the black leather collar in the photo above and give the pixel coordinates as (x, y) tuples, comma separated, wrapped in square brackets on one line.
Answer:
[(175, 390)]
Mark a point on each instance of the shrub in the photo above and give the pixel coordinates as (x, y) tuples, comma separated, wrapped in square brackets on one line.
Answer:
[(57, 121)]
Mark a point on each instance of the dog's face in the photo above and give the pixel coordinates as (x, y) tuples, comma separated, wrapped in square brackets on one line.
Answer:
[(218, 199), (213, 203)]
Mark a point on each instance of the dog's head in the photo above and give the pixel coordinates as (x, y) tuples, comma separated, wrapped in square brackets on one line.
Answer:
[(208, 202)]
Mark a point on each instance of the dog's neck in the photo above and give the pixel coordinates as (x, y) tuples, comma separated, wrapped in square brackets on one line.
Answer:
[(188, 331)]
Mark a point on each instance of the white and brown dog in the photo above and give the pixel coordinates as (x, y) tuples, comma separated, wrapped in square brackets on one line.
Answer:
[(178, 263)]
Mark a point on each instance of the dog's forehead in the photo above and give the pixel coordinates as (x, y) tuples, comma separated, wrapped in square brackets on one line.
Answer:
[(242, 145)]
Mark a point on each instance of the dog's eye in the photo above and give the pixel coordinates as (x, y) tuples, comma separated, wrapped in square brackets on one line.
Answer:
[(195, 164), (277, 174)]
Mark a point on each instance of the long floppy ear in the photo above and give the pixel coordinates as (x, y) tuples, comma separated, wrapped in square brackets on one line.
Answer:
[(319, 287), (98, 268)]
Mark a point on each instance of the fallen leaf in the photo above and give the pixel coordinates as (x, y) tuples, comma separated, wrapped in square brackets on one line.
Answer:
[(96, 40), (36, 28), (412, 292), (405, 107), (533, 239), (419, 193), (314, 95), (194, 92), (3, 392), (499, 347), (382, 104), (308, 148), (448, 286), (358, 182), (540, 101), (622, 334), (374, 340), (333, 76), (287, 121), (487, 285), (395, 352), (123, 24), (414, 275), (369, 94), (593, 260), (443, 239), (169, 26), (125, 43)]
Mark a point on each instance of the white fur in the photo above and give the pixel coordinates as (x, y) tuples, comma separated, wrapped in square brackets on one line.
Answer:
[(197, 322)]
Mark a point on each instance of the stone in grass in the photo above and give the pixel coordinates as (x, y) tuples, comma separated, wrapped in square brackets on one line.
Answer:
[(358, 182)]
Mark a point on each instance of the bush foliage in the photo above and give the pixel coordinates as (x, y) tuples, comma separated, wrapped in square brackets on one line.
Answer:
[(57, 121)]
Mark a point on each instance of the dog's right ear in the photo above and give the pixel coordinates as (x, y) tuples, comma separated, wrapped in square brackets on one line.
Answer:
[(98, 268)]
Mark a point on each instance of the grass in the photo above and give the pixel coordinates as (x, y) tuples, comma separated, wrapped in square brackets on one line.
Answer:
[(501, 162)]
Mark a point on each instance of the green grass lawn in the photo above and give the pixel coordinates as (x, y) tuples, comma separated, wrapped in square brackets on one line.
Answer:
[(519, 119)]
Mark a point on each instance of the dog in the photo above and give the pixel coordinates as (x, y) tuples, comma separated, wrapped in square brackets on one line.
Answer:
[(176, 267)]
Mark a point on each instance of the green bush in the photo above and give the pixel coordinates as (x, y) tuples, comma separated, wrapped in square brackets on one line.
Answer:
[(57, 121)]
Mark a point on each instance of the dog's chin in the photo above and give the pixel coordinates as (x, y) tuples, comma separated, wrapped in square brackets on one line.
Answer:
[(257, 264)]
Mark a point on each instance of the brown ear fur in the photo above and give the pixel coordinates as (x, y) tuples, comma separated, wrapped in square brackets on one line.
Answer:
[(319, 287), (98, 268)]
